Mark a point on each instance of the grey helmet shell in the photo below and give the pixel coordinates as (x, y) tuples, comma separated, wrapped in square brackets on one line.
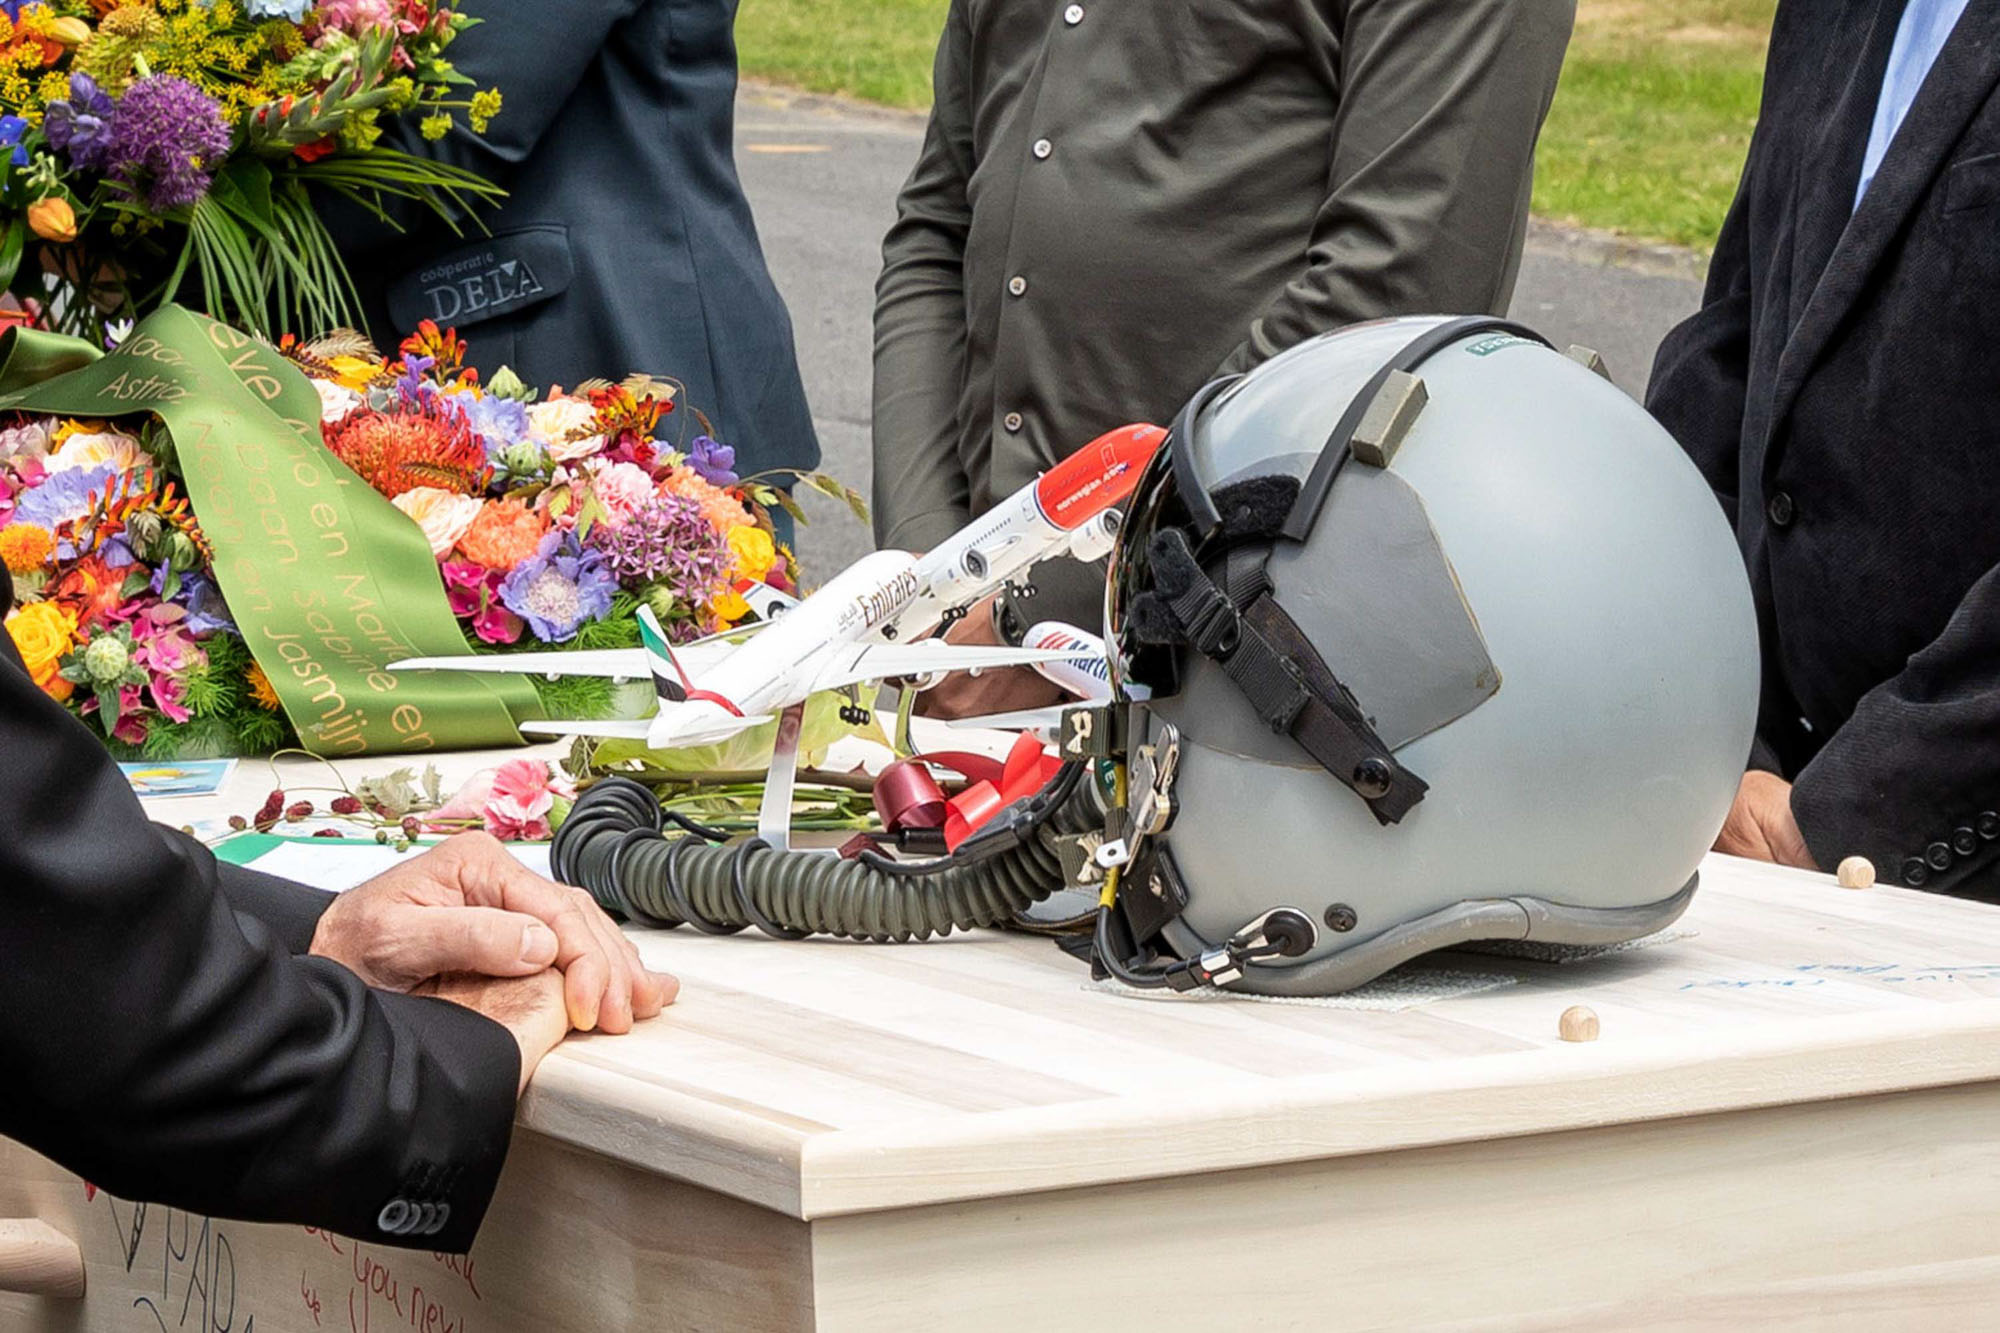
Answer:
[(1537, 529)]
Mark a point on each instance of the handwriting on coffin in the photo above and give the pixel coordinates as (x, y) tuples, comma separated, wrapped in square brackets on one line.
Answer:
[(197, 1264)]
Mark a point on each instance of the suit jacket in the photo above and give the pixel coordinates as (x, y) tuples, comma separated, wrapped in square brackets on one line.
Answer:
[(162, 1039), (625, 243), (1839, 389)]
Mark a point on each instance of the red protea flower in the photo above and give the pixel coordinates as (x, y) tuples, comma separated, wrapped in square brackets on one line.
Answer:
[(424, 443)]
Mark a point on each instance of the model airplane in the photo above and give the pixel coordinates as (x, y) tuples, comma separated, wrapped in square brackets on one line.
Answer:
[(866, 624)]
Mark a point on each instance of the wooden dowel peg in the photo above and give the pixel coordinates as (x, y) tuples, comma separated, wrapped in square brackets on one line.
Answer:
[(1856, 872), (1578, 1023), (38, 1260)]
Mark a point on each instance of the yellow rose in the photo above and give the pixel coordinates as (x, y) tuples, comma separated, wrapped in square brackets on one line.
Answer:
[(43, 632), (754, 551), (53, 219)]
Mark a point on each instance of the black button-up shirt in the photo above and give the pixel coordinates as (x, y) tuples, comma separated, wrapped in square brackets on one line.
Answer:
[(1118, 198)]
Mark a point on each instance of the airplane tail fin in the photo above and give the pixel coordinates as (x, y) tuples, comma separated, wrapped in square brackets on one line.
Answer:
[(670, 679)]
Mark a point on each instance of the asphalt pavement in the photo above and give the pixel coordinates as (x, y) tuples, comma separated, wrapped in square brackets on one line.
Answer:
[(822, 176)]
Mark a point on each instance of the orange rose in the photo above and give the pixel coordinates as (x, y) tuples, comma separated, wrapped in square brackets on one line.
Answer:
[(43, 632)]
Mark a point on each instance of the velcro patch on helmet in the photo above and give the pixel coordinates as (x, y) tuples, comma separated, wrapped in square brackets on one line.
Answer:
[(1255, 509)]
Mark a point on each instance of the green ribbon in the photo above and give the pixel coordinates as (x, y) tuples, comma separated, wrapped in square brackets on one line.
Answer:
[(326, 579)]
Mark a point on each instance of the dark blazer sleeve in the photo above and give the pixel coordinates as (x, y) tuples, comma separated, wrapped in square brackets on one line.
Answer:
[(1917, 763), (291, 912), (1701, 373), (168, 1047)]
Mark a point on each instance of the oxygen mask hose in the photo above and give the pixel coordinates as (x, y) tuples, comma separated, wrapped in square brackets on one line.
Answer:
[(612, 846)]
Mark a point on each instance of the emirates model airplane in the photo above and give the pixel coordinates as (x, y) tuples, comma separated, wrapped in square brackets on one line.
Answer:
[(866, 624)]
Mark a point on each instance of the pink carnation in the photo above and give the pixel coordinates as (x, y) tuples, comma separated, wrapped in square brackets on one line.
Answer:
[(623, 489)]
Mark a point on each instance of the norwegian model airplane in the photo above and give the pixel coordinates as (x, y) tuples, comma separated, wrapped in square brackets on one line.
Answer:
[(866, 624)]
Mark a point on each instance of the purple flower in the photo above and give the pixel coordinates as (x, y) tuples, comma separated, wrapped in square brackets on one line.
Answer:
[(206, 613), (712, 462), (501, 422), (63, 497), (558, 588), (11, 130), (80, 128), (668, 540), (166, 138)]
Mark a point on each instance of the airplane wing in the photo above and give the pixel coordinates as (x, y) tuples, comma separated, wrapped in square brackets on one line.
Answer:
[(622, 663), (627, 662), (924, 658), (621, 730)]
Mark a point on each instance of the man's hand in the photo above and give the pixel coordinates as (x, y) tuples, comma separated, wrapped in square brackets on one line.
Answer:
[(530, 1007), (468, 906), (997, 690), (1760, 824)]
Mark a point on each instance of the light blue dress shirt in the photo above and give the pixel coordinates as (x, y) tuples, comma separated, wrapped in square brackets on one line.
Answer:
[(1922, 34)]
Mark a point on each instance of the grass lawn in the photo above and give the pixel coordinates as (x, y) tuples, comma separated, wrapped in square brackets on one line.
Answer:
[(1646, 136)]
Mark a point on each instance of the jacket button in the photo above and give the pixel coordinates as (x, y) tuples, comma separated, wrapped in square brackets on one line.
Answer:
[(1915, 872), (1964, 841), (394, 1217), (1780, 510), (1988, 824), (1938, 855), (437, 1223)]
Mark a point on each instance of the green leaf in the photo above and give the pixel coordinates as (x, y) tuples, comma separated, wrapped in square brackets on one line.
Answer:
[(244, 187), (13, 242)]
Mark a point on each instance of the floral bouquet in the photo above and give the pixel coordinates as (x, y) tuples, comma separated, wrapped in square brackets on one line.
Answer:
[(147, 140), (553, 518)]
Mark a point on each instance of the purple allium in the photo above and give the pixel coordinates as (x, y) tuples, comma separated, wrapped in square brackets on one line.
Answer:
[(80, 128), (668, 540), (558, 588), (166, 138), (712, 462)]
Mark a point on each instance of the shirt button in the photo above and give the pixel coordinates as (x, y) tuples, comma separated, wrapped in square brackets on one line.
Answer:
[(1043, 148), (1073, 15), (1964, 841), (1013, 421), (1938, 855), (1915, 872), (1018, 285), (1780, 510)]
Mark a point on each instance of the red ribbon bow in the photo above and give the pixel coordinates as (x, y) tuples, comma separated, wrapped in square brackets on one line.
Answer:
[(908, 797)]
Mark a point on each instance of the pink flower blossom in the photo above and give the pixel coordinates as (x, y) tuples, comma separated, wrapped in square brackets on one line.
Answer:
[(622, 489), (513, 802), (474, 594)]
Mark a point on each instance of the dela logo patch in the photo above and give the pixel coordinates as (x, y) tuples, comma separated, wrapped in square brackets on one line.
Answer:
[(495, 276)]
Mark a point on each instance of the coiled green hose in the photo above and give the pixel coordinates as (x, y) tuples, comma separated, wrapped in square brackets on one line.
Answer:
[(611, 845)]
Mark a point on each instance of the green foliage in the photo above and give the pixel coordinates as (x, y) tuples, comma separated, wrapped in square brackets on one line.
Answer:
[(879, 50), (748, 752), (583, 697)]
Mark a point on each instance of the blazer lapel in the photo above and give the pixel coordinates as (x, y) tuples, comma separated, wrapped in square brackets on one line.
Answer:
[(1957, 86), (1857, 57)]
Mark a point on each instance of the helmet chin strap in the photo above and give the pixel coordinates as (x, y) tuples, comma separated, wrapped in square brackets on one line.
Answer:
[(1275, 667)]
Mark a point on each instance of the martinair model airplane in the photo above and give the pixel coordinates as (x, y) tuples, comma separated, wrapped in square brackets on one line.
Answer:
[(866, 624)]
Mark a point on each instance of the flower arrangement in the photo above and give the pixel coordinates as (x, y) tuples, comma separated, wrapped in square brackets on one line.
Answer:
[(150, 140), (553, 518)]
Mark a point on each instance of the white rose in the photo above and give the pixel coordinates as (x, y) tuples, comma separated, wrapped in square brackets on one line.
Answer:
[(87, 451), (30, 439), (556, 419), (443, 515), (335, 400)]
